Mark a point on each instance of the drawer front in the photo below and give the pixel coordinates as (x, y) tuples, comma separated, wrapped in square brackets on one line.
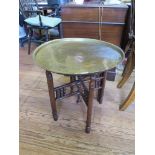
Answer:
[(110, 33), (80, 14), (80, 30), (116, 15)]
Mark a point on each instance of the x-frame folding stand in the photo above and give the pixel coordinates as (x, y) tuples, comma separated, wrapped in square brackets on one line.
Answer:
[(80, 85)]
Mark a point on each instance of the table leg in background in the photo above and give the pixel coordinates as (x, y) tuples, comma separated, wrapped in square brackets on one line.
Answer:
[(102, 85)]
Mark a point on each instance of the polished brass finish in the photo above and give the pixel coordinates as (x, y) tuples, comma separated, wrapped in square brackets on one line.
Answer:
[(77, 56)]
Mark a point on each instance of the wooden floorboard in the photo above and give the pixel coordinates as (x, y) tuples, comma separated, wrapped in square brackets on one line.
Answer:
[(113, 131)]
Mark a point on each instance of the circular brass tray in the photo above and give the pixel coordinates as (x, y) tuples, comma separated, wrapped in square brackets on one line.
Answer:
[(75, 56)]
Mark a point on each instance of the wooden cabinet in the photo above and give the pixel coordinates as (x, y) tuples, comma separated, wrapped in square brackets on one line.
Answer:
[(93, 20)]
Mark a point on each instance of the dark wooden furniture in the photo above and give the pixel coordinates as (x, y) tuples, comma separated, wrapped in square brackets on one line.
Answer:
[(85, 61), (94, 20)]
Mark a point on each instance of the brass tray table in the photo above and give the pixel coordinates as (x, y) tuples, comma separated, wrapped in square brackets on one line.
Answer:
[(85, 61)]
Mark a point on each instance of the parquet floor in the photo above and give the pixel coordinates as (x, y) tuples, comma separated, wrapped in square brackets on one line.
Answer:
[(112, 130)]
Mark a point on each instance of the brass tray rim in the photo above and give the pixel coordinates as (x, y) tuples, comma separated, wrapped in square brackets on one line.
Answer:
[(76, 74)]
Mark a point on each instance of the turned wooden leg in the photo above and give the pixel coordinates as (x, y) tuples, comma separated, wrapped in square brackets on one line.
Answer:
[(90, 105), (128, 100), (51, 94), (29, 40), (102, 85)]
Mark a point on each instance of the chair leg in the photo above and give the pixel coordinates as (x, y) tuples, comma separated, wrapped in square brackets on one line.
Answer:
[(102, 85), (90, 105), (46, 35), (128, 100), (127, 70), (29, 40), (128, 65), (40, 33), (51, 94), (21, 42), (124, 79), (60, 31)]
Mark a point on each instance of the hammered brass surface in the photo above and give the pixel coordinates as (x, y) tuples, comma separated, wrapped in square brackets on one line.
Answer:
[(75, 56)]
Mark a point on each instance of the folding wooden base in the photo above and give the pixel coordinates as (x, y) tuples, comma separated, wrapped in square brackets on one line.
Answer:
[(81, 86)]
